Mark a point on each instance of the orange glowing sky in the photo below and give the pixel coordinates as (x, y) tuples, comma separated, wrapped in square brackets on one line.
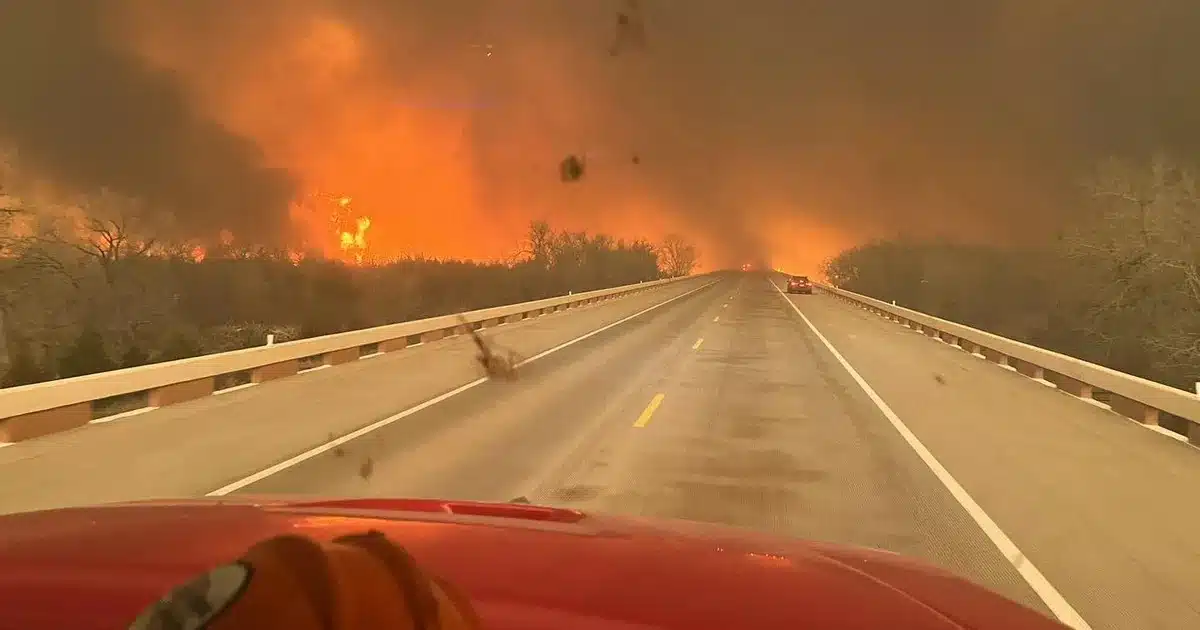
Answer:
[(788, 131), (434, 177)]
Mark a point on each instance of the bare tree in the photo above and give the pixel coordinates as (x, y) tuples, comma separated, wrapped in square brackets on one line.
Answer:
[(33, 276), (1140, 255), (677, 256), (539, 244), (114, 229)]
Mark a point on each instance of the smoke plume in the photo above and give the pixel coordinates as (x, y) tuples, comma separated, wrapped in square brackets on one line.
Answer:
[(90, 114)]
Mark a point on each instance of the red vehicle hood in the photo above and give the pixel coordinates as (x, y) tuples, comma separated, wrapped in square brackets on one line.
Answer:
[(525, 567)]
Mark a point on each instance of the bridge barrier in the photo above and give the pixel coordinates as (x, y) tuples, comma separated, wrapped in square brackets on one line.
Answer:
[(31, 411), (1147, 402)]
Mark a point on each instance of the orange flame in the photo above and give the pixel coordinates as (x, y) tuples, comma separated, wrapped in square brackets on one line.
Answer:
[(355, 243)]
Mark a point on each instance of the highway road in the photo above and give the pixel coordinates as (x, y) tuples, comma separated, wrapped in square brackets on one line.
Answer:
[(718, 399)]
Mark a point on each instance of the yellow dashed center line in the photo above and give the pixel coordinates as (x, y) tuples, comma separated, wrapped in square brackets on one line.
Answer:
[(644, 419), (696, 346)]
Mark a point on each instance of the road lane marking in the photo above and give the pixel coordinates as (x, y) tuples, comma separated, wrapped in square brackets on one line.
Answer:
[(332, 444), (648, 412), (1024, 566), (696, 346)]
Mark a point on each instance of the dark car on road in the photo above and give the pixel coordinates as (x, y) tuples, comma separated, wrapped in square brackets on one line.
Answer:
[(799, 284)]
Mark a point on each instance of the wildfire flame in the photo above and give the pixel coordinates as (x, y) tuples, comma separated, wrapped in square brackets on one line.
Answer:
[(330, 225), (355, 243)]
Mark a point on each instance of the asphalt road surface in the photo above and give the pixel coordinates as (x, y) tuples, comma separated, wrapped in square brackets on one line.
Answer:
[(714, 400)]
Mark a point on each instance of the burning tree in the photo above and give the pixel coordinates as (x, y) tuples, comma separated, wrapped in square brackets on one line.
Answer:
[(337, 226)]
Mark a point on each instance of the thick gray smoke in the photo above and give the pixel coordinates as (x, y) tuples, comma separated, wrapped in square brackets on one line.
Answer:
[(973, 118), (84, 111)]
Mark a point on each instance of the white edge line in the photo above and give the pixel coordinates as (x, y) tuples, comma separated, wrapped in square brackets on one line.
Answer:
[(234, 388), (323, 366), (1092, 401), (1157, 429), (332, 444), (1032, 576)]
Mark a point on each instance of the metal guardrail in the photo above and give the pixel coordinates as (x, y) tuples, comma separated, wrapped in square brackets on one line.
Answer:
[(34, 410), (1139, 399)]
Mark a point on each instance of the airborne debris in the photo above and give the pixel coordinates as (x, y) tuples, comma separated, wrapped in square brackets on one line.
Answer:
[(494, 365), (572, 168), (629, 37), (367, 469), (631, 30)]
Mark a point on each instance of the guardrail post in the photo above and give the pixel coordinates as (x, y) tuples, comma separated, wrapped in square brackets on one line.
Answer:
[(392, 345), (338, 357), (275, 370), (1150, 416), (181, 392), (39, 423), (432, 335)]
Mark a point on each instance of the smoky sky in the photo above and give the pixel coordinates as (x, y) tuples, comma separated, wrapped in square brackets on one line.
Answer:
[(965, 118), (84, 111)]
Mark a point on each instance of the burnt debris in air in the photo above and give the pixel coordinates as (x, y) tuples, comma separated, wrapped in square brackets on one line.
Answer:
[(629, 37), (367, 468), (495, 365), (572, 168), (631, 30)]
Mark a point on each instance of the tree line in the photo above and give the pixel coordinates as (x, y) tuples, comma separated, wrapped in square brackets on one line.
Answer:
[(1120, 288), (108, 294)]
